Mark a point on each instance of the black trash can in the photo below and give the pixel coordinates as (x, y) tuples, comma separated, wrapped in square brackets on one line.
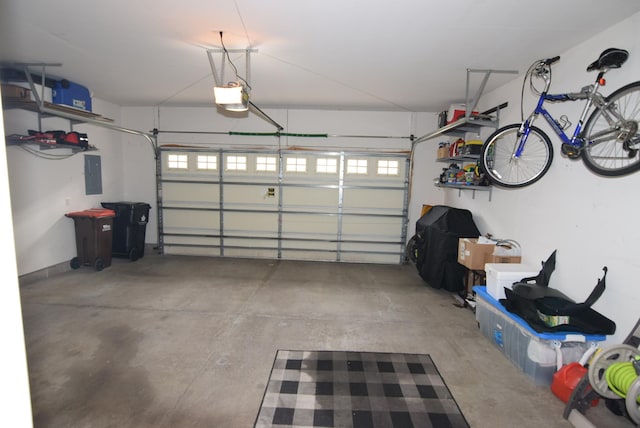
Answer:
[(129, 228), (93, 237)]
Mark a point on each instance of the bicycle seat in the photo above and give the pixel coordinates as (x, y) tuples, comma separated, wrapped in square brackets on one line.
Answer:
[(609, 58)]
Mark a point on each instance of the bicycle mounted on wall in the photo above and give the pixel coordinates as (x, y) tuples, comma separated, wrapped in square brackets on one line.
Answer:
[(520, 154)]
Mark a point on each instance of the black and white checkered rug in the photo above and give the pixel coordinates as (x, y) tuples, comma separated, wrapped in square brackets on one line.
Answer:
[(356, 389)]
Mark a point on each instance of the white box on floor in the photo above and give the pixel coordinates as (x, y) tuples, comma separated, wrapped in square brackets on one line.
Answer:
[(500, 275)]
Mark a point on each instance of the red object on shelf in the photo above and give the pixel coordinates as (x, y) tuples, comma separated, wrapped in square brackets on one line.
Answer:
[(566, 379), (459, 114)]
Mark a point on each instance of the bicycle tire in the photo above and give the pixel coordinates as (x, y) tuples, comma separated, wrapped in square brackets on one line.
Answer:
[(503, 169), (619, 155)]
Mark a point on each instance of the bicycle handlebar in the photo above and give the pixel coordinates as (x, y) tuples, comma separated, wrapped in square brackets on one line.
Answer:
[(550, 61)]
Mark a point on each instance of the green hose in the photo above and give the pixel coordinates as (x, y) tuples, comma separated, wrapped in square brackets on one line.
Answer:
[(619, 378)]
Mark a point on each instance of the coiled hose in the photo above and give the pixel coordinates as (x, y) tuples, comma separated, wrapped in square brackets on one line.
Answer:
[(620, 376)]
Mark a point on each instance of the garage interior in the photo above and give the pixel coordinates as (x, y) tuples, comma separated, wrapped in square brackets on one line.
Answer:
[(285, 226)]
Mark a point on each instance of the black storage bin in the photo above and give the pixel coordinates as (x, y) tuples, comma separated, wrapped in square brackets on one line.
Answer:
[(436, 244), (129, 228)]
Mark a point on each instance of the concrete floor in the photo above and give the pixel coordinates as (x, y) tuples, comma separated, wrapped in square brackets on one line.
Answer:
[(173, 341)]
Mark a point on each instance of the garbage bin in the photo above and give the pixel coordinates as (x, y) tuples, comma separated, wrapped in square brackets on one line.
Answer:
[(129, 228), (93, 237)]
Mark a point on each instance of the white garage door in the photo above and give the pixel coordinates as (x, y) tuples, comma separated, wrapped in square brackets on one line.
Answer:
[(287, 204)]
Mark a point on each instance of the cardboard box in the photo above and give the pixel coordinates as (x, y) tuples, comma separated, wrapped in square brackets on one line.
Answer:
[(425, 209), (14, 91), (473, 255), (443, 152), (503, 259)]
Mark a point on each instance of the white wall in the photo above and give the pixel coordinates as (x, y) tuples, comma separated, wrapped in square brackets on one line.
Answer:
[(589, 219), (43, 190), (14, 390)]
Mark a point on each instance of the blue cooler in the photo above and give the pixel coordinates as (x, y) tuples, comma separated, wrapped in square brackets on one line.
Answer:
[(71, 94)]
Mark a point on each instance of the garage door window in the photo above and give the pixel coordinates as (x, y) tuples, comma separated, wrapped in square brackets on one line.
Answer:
[(265, 163), (387, 167), (357, 166), (326, 165), (207, 162), (175, 161), (296, 164), (236, 163)]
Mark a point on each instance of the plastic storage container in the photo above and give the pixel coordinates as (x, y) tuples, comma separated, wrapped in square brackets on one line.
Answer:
[(93, 237), (71, 94), (500, 275), (129, 228), (538, 355)]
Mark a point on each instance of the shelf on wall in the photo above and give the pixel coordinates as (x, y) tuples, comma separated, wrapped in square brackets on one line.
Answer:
[(12, 140), (464, 186), (461, 158), (48, 109), (464, 125), (461, 187), (29, 105), (472, 122)]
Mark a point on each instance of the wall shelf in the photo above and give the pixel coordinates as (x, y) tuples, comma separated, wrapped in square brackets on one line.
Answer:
[(74, 115), (466, 124), (460, 158), (472, 122), (28, 105), (12, 140), (466, 187)]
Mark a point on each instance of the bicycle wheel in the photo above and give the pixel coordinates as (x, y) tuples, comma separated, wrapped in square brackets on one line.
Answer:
[(613, 146), (503, 168)]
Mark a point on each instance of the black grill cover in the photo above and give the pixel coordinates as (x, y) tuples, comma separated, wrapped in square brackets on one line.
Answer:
[(437, 234)]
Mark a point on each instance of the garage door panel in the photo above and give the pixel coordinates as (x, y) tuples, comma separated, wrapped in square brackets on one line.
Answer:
[(193, 194), (257, 243), (379, 227), (310, 199), (257, 196), (208, 241), (374, 199), (256, 253), (241, 222), (191, 219), (319, 245), (310, 224)]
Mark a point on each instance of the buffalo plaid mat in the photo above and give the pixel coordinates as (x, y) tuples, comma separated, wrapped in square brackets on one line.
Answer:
[(356, 389)]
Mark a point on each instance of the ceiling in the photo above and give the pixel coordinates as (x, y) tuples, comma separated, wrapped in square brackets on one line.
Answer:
[(401, 55)]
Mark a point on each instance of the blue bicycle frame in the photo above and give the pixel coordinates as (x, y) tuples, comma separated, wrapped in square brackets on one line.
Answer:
[(575, 140)]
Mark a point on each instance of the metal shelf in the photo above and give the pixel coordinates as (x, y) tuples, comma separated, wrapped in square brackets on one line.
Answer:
[(461, 158), (462, 187), (51, 110), (462, 126), (471, 122), (11, 141), (47, 109)]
